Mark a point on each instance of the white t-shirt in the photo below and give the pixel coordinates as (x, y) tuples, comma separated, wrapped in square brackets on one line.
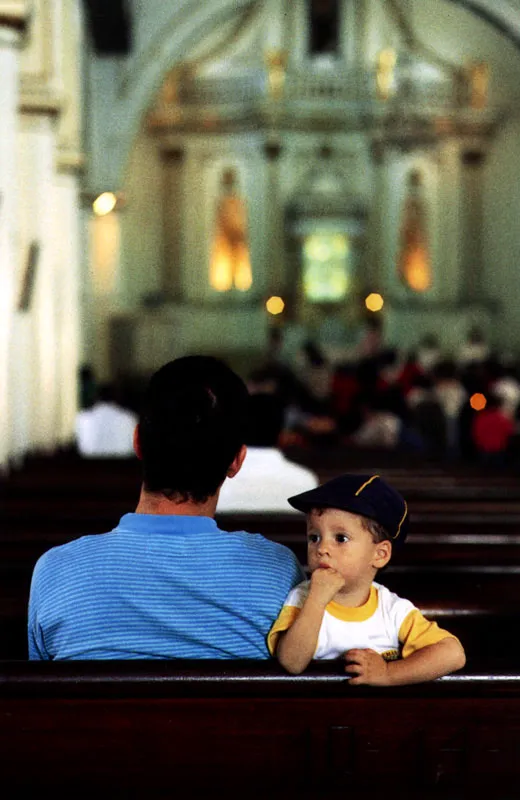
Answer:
[(264, 483), (386, 623), (105, 430)]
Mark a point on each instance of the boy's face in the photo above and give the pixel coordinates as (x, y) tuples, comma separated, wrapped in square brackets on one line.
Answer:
[(339, 540)]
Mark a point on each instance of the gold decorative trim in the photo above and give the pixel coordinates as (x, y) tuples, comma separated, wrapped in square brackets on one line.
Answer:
[(40, 103), (41, 47), (70, 161), (14, 15)]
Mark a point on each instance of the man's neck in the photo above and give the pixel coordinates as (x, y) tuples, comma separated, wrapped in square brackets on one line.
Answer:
[(153, 503)]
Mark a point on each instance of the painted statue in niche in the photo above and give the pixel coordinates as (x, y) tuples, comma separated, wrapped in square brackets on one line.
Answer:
[(414, 266), (230, 265)]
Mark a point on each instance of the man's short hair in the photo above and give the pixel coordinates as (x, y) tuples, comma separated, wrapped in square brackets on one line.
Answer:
[(191, 427)]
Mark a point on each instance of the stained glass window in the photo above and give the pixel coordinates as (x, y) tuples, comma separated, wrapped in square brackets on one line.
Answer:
[(326, 273)]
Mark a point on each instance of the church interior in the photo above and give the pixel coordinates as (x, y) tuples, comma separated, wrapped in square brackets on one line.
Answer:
[(324, 194), (167, 171)]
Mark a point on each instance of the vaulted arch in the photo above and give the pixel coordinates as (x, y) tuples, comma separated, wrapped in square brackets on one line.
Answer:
[(175, 31)]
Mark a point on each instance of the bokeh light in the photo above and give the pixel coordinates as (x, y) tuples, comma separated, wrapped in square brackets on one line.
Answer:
[(374, 302), (104, 204), (275, 305), (477, 401)]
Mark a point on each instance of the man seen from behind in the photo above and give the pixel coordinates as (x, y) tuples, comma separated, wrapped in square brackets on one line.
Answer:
[(167, 582)]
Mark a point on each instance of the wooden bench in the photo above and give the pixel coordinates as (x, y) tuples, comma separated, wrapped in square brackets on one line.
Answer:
[(460, 579), (150, 729)]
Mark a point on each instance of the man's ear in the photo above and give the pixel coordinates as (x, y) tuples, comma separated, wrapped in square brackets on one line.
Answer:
[(383, 553), (237, 462), (137, 444)]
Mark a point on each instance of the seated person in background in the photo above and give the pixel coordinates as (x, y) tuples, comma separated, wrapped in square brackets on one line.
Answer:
[(353, 522), (267, 478), (452, 395), (428, 352), (105, 429), (475, 349), (492, 430), (380, 427), (427, 416), (166, 582), (506, 386), (315, 373)]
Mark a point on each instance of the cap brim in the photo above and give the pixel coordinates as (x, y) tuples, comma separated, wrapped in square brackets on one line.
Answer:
[(320, 498)]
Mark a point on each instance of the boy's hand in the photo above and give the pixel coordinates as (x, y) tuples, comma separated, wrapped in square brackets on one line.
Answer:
[(366, 666), (325, 584)]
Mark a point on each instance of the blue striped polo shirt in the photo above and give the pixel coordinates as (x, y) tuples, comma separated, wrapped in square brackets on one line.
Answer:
[(159, 587)]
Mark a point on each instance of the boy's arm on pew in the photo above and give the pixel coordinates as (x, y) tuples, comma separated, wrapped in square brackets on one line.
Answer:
[(297, 645), (426, 664)]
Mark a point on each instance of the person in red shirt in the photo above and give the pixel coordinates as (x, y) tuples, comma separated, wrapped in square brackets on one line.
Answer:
[(491, 431)]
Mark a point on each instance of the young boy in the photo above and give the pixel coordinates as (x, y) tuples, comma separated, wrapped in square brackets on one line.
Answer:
[(353, 522)]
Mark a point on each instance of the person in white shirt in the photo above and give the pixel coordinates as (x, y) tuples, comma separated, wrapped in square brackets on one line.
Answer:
[(507, 388), (266, 478), (474, 349), (106, 430)]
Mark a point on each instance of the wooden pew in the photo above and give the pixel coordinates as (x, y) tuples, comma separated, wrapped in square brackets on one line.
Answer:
[(459, 578), (150, 729)]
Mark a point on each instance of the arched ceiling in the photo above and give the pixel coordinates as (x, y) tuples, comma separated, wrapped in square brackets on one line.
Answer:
[(127, 90), (501, 15)]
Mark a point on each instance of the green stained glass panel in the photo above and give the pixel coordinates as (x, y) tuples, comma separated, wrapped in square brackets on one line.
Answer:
[(325, 267)]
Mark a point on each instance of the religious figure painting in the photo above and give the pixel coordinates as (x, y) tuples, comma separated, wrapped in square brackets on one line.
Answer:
[(413, 265), (230, 264)]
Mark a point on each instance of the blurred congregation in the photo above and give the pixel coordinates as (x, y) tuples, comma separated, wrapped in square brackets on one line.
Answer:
[(448, 410)]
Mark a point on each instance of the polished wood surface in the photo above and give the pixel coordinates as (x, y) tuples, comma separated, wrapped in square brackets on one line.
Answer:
[(144, 728)]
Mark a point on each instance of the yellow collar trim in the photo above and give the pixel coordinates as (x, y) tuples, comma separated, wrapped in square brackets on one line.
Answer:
[(358, 614)]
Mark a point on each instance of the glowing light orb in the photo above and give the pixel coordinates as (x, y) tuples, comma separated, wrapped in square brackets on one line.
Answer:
[(275, 305), (374, 302), (477, 401), (104, 204)]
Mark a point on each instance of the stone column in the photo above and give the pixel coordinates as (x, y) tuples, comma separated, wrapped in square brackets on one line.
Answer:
[(471, 269), (42, 234), (275, 282), (448, 280), (371, 278), (173, 205), (12, 25), (67, 256)]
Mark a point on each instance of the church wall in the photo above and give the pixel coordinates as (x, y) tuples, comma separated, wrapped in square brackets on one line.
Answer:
[(502, 232), (141, 219), (37, 209), (9, 261), (39, 161)]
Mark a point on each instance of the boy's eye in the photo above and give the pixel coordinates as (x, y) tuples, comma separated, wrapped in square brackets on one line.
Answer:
[(313, 537), (341, 538)]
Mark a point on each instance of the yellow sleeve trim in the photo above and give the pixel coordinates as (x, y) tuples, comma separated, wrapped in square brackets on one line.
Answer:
[(416, 632), (285, 619)]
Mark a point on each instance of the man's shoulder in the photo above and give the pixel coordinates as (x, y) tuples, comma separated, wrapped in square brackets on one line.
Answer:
[(257, 541), (68, 552)]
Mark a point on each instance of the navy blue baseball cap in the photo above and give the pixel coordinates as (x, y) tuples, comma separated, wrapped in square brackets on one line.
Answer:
[(367, 495)]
